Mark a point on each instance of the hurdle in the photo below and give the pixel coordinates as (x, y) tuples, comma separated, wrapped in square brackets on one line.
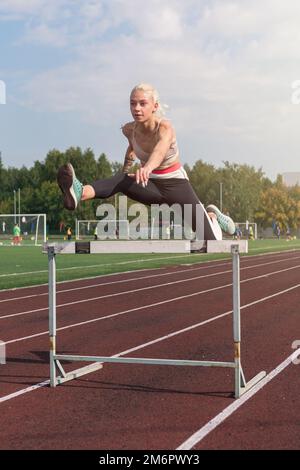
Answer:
[(2, 352), (147, 246)]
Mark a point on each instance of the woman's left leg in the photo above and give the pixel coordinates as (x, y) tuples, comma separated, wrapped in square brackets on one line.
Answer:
[(180, 191)]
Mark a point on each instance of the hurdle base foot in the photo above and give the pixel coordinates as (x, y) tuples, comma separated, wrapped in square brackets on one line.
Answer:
[(74, 374), (248, 385)]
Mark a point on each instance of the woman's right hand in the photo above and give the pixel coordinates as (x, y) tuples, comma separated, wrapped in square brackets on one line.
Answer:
[(142, 175)]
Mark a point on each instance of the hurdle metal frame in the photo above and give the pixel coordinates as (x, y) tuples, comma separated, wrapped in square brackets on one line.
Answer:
[(241, 386)]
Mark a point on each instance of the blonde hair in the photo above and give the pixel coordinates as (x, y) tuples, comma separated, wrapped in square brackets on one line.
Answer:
[(150, 90)]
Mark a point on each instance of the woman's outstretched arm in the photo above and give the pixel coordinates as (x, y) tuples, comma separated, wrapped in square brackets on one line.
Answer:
[(166, 135), (128, 160)]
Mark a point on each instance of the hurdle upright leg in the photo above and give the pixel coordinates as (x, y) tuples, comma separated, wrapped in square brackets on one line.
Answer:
[(52, 312), (2, 352), (241, 386), (236, 317)]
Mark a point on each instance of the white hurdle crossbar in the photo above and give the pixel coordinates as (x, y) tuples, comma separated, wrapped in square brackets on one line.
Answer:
[(149, 246)]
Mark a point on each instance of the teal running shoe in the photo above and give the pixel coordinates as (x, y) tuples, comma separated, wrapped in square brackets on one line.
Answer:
[(70, 186), (225, 222)]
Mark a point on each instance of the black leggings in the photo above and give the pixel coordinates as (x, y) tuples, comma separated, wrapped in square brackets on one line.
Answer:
[(158, 191)]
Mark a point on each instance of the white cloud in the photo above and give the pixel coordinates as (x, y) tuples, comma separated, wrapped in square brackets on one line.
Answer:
[(20, 6), (91, 9), (45, 35), (164, 24), (21, 9), (229, 19), (225, 67)]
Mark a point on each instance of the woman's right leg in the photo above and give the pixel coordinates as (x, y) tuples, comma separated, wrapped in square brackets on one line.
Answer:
[(74, 191), (122, 183)]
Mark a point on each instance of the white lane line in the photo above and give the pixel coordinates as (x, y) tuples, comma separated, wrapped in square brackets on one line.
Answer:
[(271, 253), (79, 279), (24, 390), (109, 283), (120, 263), (296, 247), (93, 320), (113, 315), (116, 294), (121, 281), (136, 348), (174, 333), (209, 427), (157, 340), (199, 435)]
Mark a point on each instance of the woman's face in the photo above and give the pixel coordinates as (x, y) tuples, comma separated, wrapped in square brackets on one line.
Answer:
[(142, 105)]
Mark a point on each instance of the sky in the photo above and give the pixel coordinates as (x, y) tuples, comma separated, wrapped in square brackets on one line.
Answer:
[(229, 71)]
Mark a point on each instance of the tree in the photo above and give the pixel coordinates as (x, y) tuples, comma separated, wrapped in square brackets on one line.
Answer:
[(2, 171), (103, 167), (5, 207), (277, 205), (116, 167), (242, 186), (204, 180), (247, 193), (48, 200), (48, 170), (294, 192)]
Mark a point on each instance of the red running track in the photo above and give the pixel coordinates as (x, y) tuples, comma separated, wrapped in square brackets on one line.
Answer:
[(155, 407)]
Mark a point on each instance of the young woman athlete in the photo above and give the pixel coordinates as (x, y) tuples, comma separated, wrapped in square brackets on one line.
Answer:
[(160, 178)]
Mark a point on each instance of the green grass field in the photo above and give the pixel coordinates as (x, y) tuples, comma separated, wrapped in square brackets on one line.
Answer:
[(27, 265)]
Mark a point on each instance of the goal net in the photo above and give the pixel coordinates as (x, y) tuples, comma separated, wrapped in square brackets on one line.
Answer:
[(99, 229), (32, 229)]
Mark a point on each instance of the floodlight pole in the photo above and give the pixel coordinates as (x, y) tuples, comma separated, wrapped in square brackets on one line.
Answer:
[(19, 201), (221, 195), (15, 206)]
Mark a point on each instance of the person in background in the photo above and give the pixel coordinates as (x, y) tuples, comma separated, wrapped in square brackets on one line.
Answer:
[(251, 234), (69, 233), (16, 235), (237, 233)]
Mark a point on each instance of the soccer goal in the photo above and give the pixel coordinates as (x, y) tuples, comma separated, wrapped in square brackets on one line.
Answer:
[(92, 229), (32, 229), (248, 229)]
